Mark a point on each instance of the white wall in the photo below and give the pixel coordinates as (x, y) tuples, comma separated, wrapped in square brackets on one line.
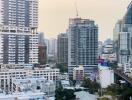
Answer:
[(106, 76)]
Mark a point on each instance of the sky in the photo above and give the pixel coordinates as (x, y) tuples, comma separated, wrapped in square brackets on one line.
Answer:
[(54, 15)]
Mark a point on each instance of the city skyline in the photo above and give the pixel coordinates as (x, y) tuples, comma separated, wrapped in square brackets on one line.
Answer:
[(54, 15)]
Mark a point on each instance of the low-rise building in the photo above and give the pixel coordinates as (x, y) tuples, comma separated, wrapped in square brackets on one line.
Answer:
[(24, 96), (106, 76), (33, 84), (7, 74), (109, 57), (49, 88), (78, 73), (64, 76), (48, 73), (127, 68), (65, 83)]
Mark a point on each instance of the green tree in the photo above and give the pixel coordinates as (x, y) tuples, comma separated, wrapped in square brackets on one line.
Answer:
[(64, 94), (112, 64), (69, 94), (59, 94), (93, 86), (104, 98), (62, 67), (122, 90)]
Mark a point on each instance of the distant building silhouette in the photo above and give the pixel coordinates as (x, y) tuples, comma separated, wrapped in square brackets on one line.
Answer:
[(42, 50), (62, 49)]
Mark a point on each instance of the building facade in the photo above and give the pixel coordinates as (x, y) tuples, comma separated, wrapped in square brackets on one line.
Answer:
[(62, 49), (9, 72), (82, 45), (20, 13), (105, 73), (123, 37), (30, 95), (78, 73), (33, 84), (18, 31), (51, 50), (42, 53)]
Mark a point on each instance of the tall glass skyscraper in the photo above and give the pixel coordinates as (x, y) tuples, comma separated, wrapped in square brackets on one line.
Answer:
[(82, 45), (18, 31), (125, 37)]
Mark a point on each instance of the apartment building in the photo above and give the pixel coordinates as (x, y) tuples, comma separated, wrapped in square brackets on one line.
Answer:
[(82, 46), (9, 73), (18, 31)]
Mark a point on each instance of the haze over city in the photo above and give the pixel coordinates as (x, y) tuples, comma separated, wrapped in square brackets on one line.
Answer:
[(54, 15), (65, 49)]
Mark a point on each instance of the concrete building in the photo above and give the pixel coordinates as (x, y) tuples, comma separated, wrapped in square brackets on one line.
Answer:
[(65, 83), (49, 88), (64, 76), (116, 31), (106, 76), (18, 31), (109, 57), (108, 48), (100, 48), (127, 68), (42, 54), (82, 46), (78, 73), (34, 84), (62, 49), (42, 49), (51, 50), (24, 96), (124, 37), (8, 72), (41, 38), (20, 13), (124, 50)]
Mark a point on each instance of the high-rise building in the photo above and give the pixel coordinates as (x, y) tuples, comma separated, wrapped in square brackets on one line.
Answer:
[(124, 37), (20, 13), (51, 50), (82, 46), (62, 49), (18, 31), (116, 31), (42, 53)]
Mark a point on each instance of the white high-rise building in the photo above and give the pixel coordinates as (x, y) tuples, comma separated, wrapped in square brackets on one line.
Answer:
[(18, 31)]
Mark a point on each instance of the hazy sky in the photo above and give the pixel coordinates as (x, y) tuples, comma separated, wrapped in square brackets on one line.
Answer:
[(54, 15)]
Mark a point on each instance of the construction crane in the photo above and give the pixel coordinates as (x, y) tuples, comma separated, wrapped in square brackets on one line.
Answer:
[(76, 9)]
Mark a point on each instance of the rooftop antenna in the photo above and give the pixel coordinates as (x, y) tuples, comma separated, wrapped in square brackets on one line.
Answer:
[(76, 9)]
